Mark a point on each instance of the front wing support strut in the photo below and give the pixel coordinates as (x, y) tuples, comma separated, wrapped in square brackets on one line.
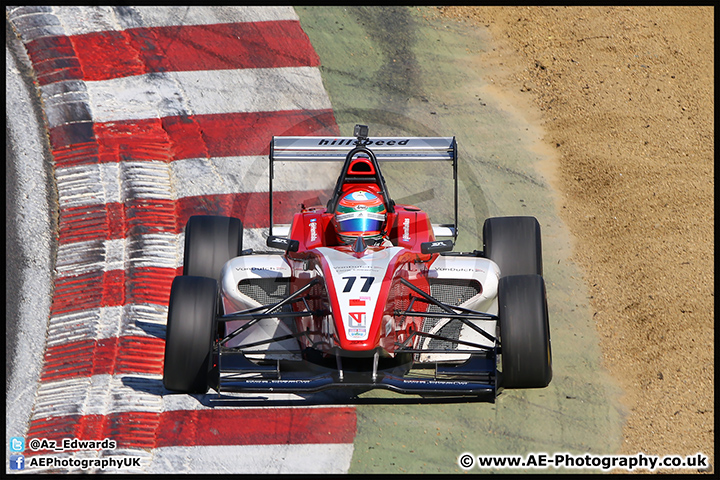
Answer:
[(268, 313), (463, 317)]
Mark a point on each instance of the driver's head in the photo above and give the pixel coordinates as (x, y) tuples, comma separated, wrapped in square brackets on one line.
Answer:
[(360, 214)]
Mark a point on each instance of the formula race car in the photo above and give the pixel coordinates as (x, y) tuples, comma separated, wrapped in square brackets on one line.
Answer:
[(359, 293)]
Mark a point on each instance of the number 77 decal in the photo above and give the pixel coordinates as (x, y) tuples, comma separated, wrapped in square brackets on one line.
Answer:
[(351, 281)]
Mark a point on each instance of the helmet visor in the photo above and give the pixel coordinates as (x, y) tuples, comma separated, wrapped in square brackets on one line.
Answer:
[(360, 222)]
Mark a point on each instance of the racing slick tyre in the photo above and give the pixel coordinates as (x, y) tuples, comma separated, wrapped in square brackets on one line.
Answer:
[(190, 334), (210, 241), (514, 244), (524, 332)]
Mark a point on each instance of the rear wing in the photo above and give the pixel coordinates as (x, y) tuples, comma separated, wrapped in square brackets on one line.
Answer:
[(316, 149), (335, 149)]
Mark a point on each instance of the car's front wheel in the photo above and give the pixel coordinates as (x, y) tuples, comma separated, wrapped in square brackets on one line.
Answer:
[(210, 241), (190, 334), (524, 332), (514, 244)]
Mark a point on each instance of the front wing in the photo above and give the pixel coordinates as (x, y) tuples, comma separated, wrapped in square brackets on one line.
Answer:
[(242, 368)]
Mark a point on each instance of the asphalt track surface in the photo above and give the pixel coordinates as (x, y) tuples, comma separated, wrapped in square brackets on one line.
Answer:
[(402, 72)]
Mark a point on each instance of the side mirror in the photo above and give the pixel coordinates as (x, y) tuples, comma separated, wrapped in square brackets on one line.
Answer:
[(287, 244), (437, 246)]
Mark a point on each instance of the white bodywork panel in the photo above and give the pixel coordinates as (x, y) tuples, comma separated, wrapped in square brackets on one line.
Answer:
[(363, 278), (250, 267), (487, 273)]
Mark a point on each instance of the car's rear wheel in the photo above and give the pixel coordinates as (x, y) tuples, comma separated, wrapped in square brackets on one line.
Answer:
[(210, 241), (524, 332), (190, 334), (514, 244)]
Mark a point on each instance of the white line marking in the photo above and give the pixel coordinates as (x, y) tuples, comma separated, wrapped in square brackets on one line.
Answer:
[(202, 92), (254, 459), (41, 21)]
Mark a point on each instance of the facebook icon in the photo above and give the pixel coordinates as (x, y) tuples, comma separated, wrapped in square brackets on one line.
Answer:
[(17, 462)]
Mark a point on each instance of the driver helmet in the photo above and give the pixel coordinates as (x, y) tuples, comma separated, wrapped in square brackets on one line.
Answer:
[(360, 214)]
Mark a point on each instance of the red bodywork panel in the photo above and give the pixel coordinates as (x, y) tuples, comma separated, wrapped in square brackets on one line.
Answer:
[(409, 227)]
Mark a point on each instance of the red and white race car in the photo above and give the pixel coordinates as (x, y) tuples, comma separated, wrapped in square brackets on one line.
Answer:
[(360, 293)]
